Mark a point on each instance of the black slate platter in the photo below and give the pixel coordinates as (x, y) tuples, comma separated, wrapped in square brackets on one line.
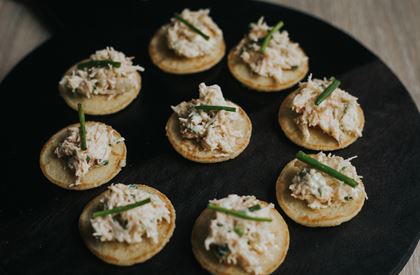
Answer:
[(38, 229)]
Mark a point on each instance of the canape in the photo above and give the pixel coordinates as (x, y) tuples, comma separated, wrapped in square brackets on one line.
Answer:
[(320, 190), (83, 155), (321, 116), (209, 129), (127, 224), (105, 83), (191, 42), (240, 235), (266, 59)]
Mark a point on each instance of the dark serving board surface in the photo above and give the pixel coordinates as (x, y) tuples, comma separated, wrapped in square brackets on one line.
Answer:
[(38, 229)]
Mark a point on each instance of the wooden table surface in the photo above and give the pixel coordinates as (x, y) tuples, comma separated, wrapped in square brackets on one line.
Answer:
[(388, 28)]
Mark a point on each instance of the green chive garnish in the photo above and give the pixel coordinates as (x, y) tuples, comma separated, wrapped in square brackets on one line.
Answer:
[(215, 108), (326, 93), (191, 26), (98, 64), (267, 39), (120, 208), (238, 214), (326, 169), (82, 127)]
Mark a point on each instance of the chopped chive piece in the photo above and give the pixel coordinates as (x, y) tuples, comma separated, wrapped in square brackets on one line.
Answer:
[(191, 26), (238, 214), (254, 208), (239, 231), (104, 162), (294, 67), (302, 173), (348, 198), (87, 158), (326, 93), (82, 127), (98, 64), (221, 250), (267, 39), (326, 169), (120, 208), (215, 108)]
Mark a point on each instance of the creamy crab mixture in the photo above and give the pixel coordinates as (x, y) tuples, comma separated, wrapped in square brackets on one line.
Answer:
[(320, 190), (109, 81), (238, 241), (280, 55), (134, 225), (99, 142), (337, 115), (213, 130), (188, 43)]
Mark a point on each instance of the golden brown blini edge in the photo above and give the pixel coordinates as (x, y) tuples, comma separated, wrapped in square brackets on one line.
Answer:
[(210, 262), (57, 172), (124, 254)]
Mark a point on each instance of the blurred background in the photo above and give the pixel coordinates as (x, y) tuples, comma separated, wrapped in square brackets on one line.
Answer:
[(389, 28)]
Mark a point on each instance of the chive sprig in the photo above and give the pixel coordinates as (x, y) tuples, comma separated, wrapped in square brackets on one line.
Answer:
[(325, 168), (269, 36), (191, 26), (215, 108), (120, 208), (98, 64), (82, 127), (237, 213), (327, 92)]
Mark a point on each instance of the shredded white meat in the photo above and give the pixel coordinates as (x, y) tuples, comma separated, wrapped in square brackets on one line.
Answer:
[(109, 81), (188, 43), (213, 130), (280, 55), (99, 142), (320, 190), (133, 225), (337, 115), (238, 241)]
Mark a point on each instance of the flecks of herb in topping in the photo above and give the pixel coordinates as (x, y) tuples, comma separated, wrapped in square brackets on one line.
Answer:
[(346, 108), (104, 162), (87, 158), (118, 218), (254, 208), (348, 198), (219, 224), (221, 250), (109, 144), (343, 168), (320, 191), (239, 231), (260, 41), (302, 173), (132, 186), (94, 87), (246, 47), (294, 67)]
